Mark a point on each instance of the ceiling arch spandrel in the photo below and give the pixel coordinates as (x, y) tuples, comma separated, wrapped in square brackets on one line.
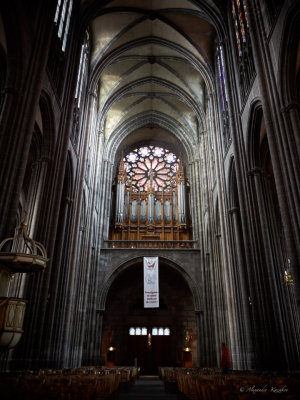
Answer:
[(158, 29), (154, 50), (136, 105), (151, 87), (201, 34), (153, 72), (153, 4), (112, 75), (106, 28)]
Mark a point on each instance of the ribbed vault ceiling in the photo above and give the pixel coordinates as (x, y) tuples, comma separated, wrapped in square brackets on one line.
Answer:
[(151, 60)]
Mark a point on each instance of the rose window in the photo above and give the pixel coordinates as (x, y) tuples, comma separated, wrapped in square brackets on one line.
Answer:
[(151, 166)]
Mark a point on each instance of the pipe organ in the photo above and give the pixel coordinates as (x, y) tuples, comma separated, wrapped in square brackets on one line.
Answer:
[(151, 199)]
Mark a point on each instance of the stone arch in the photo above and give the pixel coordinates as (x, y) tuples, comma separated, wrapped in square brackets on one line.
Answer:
[(232, 185), (127, 139), (49, 134), (255, 134), (117, 270), (288, 70), (155, 119)]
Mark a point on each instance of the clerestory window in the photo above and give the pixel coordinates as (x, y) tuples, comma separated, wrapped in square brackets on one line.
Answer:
[(223, 97), (62, 20), (244, 49)]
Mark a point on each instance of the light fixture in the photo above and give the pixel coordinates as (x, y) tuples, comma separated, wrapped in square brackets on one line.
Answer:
[(287, 277), (188, 337), (149, 341)]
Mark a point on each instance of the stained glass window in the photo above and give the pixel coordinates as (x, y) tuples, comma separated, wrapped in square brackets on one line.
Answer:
[(244, 49), (240, 18), (223, 96), (151, 166), (222, 79)]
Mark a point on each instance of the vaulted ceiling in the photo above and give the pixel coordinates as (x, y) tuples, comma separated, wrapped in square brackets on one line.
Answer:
[(153, 62)]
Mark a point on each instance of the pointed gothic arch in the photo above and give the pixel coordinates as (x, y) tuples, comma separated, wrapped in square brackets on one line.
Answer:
[(117, 270), (288, 61)]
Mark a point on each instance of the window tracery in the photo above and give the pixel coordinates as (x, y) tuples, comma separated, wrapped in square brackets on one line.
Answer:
[(151, 166)]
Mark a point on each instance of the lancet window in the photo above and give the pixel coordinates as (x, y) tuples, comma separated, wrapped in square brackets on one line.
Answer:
[(244, 49), (81, 77), (57, 60), (80, 86), (223, 97), (62, 20), (151, 199)]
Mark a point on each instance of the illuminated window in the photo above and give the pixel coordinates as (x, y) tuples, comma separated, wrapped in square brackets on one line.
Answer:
[(161, 332), (138, 331), (239, 13), (81, 77), (62, 20), (222, 79), (144, 331), (151, 165), (223, 97), (131, 331)]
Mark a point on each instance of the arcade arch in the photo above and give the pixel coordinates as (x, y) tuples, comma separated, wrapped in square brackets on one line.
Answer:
[(179, 300)]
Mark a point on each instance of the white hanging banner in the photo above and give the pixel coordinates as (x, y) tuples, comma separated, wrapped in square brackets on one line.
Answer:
[(151, 286)]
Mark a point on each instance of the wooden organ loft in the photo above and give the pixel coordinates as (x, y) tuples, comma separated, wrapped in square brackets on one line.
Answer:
[(151, 199)]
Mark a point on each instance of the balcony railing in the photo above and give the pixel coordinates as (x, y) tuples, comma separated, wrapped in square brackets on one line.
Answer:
[(150, 244)]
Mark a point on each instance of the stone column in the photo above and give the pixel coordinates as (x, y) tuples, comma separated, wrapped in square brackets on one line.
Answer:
[(201, 339), (274, 305), (284, 174), (242, 349), (21, 97)]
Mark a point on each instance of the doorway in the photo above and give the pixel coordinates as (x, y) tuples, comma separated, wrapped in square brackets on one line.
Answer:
[(150, 350)]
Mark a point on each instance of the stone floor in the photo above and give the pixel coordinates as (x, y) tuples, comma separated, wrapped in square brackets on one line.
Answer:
[(147, 388)]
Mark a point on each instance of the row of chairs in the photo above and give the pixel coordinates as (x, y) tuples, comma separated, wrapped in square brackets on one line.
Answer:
[(86, 383), (209, 384)]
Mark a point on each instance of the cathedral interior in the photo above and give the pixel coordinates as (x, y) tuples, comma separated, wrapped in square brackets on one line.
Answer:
[(132, 130)]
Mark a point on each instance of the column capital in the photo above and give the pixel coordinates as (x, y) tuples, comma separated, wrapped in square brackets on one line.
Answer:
[(233, 210), (93, 94), (290, 106), (10, 90), (256, 171), (68, 200)]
